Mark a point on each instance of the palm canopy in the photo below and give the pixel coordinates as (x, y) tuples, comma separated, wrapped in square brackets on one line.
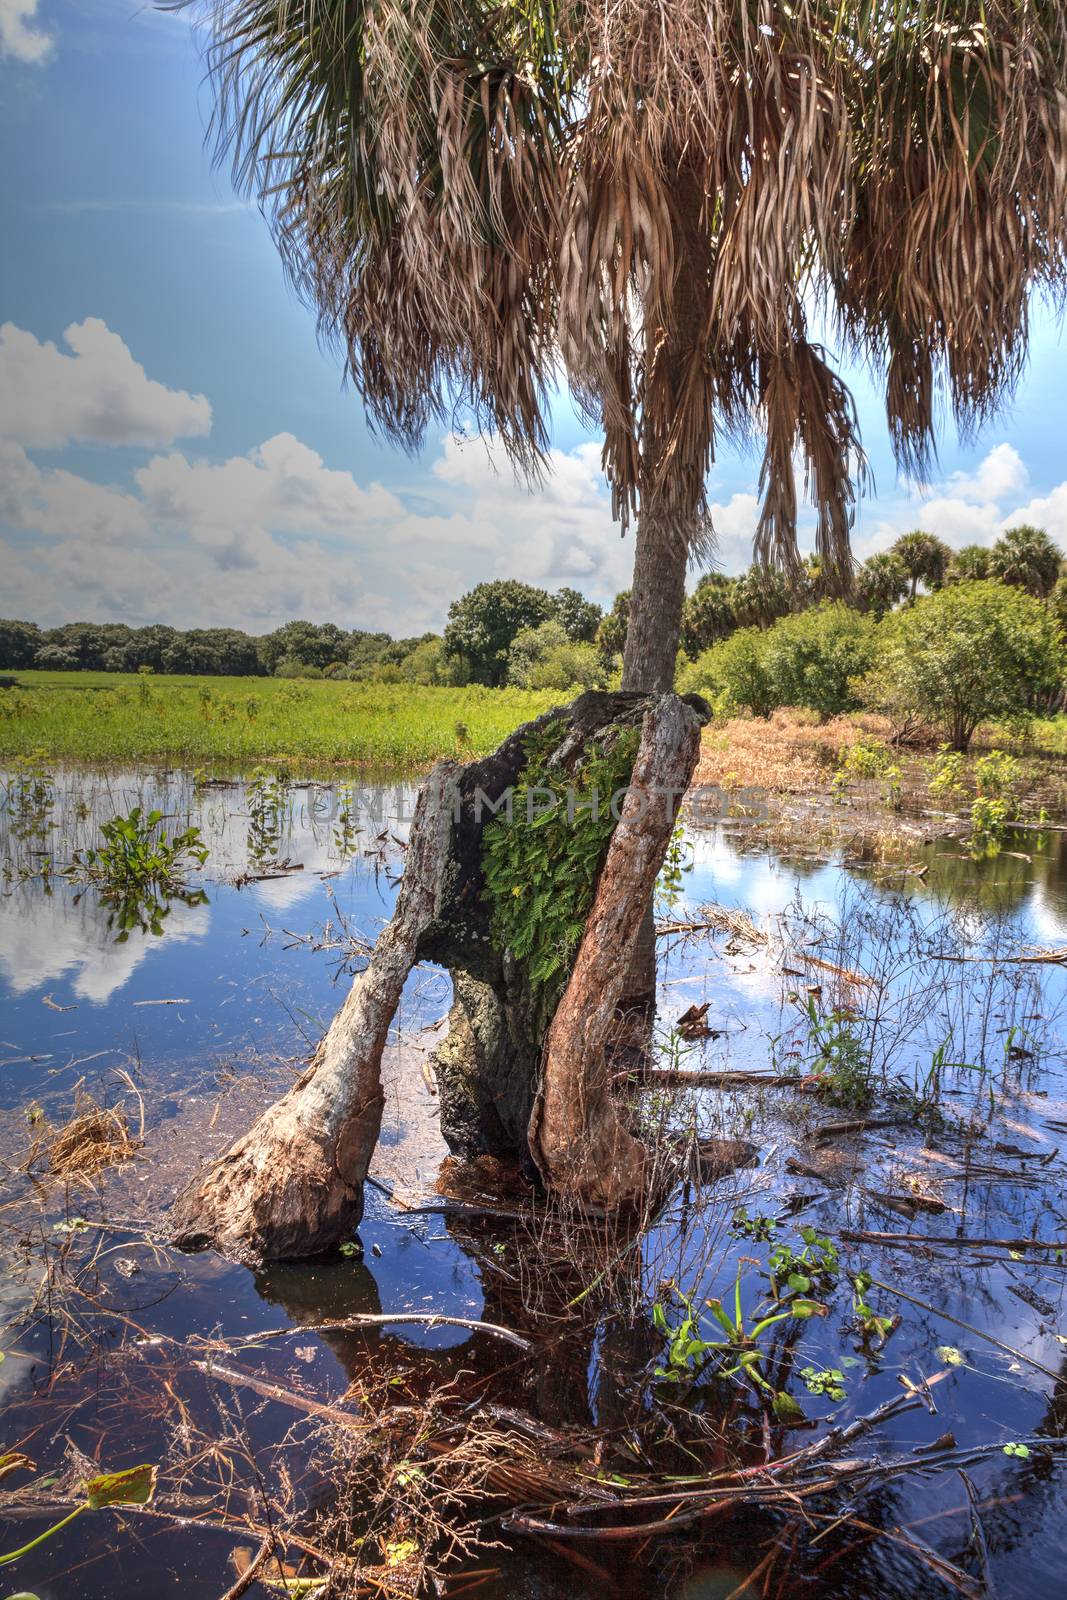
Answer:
[(652, 197)]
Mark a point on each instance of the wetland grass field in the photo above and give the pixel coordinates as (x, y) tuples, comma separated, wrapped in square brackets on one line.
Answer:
[(109, 717)]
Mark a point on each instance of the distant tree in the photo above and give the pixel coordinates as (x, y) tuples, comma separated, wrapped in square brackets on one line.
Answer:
[(312, 644), (56, 658), (881, 583), (814, 658), (427, 663), (88, 642), (925, 559), (364, 649), (19, 642), (761, 596), (580, 617), (611, 634), (708, 614), (1028, 559), (482, 624), (969, 565), (975, 652), (546, 657), (213, 652)]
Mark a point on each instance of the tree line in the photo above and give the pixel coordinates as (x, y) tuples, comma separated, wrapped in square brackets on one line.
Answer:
[(507, 632)]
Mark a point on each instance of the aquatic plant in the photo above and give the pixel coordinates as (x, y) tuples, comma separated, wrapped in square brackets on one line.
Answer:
[(268, 813), (346, 831), (137, 854), (140, 869), (134, 1486), (838, 1058)]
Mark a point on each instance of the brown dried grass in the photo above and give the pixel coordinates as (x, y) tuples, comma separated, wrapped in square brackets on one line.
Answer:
[(791, 751), (97, 1137)]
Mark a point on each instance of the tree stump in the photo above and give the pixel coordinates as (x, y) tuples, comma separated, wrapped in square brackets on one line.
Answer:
[(292, 1186)]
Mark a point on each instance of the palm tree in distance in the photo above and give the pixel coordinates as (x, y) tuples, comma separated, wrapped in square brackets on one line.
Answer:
[(881, 583), (1027, 558), (925, 559), (477, 198)]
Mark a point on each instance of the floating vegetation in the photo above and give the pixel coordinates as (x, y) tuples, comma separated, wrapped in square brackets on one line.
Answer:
[(95, 1138), (139, 869)]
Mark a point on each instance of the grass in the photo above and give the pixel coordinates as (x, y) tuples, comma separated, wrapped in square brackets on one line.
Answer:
[(122, 717)]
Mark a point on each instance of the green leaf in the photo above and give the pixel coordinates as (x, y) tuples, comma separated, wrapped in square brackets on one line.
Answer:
[(134, 1486), (786, 1409)]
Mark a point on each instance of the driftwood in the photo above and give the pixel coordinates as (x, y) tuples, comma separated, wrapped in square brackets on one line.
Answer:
[(577, 1139)]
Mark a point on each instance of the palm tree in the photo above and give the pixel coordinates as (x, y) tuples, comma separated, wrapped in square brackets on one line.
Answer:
[(479, 199), (761, 595), (969, 564), (881, 583), (709, 613), (1027, 558), (476, 197), (924, 557)]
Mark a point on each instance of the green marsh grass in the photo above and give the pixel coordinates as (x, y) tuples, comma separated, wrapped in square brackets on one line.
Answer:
[(125, 717)]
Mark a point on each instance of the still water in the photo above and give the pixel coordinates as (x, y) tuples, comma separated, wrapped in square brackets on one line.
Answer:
[(201, 1025)]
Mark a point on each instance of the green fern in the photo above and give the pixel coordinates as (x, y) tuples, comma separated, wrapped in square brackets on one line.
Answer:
[(541, 865)]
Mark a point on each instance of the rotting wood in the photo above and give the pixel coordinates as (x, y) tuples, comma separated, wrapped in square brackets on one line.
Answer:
[(576, 1137), (954, 1242), (293, 1184), (383, 1319)]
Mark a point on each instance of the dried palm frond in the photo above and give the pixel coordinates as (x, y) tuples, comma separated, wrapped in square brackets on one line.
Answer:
[(643, 196)]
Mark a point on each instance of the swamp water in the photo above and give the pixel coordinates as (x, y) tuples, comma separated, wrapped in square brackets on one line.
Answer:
[(895, 994)]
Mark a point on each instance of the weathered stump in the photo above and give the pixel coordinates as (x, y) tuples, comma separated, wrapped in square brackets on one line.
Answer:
[(292, 1185)]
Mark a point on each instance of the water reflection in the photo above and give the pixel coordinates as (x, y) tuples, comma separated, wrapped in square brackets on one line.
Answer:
[(253, 985)]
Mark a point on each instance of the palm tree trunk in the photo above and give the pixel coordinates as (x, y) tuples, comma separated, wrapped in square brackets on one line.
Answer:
[(652, 638)]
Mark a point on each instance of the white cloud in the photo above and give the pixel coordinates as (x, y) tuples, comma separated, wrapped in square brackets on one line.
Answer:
[(968, 508), (276, 533), (19, 38), (1000, 474), (97, 395), (282, 484), (57, 502)]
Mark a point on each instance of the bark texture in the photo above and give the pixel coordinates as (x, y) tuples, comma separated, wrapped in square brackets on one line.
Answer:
[(581, 1147), (293, 1184)]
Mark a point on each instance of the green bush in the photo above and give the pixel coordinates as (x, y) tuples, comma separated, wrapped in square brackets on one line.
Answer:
[(546, 658), (732, 675), (969, 654), (813, 658)]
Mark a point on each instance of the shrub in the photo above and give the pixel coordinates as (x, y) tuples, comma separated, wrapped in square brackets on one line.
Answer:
[(732, 675), (546, 658), (813, 658), (288, 668), (966, 655)]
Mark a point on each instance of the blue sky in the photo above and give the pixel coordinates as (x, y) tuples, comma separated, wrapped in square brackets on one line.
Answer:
[(174, 445)]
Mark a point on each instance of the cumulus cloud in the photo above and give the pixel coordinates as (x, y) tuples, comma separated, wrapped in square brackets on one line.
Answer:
[(97, 395), (1000, 474), (20, 40), (969, 508), (277, 533)]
